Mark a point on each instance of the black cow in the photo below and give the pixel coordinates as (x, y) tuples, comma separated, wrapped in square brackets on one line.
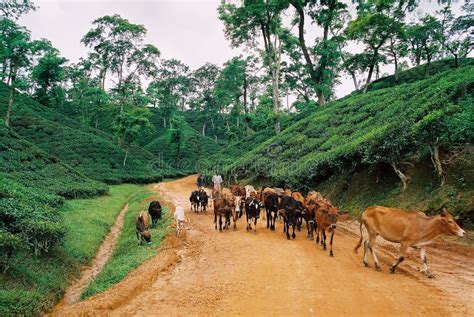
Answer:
[(154, 209), (271, 206), (289, 209), (252, 211), (195, 200), (204, 200)]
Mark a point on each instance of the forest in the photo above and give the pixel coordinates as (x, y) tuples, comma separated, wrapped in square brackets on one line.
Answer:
[(270, 116)]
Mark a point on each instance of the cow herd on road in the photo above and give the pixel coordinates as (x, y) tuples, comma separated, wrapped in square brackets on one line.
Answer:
[(411, 229)]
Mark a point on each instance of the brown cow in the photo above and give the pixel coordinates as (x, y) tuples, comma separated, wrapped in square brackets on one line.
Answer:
[(143, 227), (224, 208), (326, 218), (238, 190), (410, 229)]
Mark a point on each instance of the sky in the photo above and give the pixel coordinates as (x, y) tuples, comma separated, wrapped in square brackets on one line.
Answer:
[(188, 30)]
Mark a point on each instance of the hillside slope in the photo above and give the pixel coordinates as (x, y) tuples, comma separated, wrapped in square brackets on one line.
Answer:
[(89, 151), (368, 133), (192, 147)]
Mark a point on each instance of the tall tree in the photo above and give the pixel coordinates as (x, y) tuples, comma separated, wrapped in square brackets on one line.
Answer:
[(322, 59), (250, 22), (129, 124), (13, 9), (457, 32), (15, 54), (118, 48), (170, 88), (48, 74), (425, 39)]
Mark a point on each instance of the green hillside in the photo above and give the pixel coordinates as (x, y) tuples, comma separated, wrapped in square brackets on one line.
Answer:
[(364, 133), (192, 146), (32, 167), (91, 152)]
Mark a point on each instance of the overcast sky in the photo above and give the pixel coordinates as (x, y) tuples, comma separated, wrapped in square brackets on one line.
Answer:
[(188, 30)]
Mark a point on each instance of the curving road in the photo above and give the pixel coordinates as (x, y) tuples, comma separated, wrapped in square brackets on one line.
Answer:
[(205, 272)]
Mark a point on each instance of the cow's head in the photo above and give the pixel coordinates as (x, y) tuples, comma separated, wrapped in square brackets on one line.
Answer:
[(329, 214), (449, 225), (147, 236), (238, 203)]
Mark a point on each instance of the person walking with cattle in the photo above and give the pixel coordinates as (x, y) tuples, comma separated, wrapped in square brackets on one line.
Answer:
[(217, 180), (200, 181)]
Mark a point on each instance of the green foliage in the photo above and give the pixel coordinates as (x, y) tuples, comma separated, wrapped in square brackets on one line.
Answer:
[(86, 150), (380, 127), (33, 284), (127, 255)]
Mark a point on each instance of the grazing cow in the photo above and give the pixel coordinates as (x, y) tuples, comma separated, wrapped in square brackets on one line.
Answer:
[(326, 218), (410, 229), (271, 207), (143, 227), (203, 200), (288, 208), (252, 211), (223, 208), (154, 209)]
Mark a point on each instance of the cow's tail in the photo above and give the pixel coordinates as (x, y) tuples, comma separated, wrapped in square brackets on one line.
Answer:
[(361, 237)]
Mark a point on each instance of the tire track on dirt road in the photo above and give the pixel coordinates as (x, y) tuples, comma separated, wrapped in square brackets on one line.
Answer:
[(206, 272)]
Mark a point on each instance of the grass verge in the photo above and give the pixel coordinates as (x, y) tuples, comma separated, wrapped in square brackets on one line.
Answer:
[(34, 284), (127, 254)]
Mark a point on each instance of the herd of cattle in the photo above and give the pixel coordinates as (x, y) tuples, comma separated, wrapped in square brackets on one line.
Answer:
[(293, 208), (410, 229)]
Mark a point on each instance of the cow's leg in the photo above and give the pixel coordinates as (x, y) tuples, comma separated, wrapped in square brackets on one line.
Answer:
[(255, 225), (293, 235), (330, 243), (323, 240), (366, 254), (403, 251), (215, 219), (234, 217), (286, 227), (220, 222), (138, 237), (370, 245), (268, 218), (424, 261)]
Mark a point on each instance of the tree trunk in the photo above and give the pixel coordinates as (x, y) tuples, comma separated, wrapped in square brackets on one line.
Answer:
[(456, 62), (369, 77), (164, 122), (204, 129), (434, 150), (11, 98), (96, 121), (10, 106), (402, 176), (354, 79), (246, 110), (125, 158), (275, 90)]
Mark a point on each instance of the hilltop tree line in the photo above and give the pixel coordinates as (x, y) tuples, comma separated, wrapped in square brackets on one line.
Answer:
[(122, 77)]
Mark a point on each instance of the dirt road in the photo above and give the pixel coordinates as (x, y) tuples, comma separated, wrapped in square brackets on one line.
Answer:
[(206, 272)]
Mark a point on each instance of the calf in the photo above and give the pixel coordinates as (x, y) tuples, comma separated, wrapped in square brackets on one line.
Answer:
[(154, 209), (410, 229), (288, 208), (142, 227), (271, 207), (310, 217), (203, 200), (326, 218), (223, 208), (238, 190), (195, 200), (252, 211)]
